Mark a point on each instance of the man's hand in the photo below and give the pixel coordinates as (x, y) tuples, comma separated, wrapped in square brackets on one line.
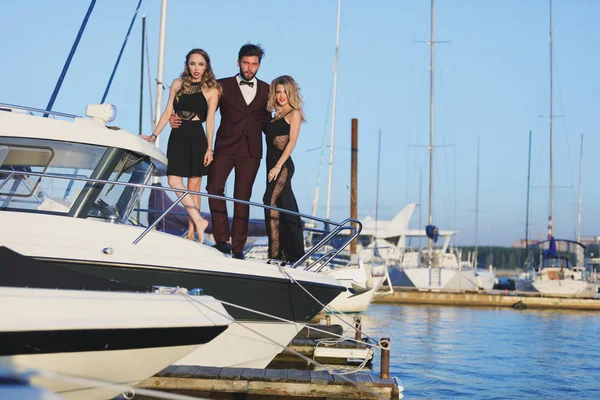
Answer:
[(175, 121)]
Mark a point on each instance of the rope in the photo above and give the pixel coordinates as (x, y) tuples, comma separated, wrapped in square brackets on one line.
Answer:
[(308, 360), (335, 312)]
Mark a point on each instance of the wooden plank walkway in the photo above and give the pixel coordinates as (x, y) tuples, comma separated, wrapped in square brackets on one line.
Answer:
[(514, 300), (253, 383)]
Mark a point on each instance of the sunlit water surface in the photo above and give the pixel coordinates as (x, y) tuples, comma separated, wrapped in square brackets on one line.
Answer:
[(489, 353)]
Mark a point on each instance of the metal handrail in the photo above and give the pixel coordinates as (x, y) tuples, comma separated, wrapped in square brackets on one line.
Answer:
[(39, 110), (339, 226)]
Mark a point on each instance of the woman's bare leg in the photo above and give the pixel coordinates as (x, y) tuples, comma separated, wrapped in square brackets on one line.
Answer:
[(193, 185), (176, 182)]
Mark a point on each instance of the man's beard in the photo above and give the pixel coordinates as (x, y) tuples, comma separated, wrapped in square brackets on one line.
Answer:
[(244, 75)]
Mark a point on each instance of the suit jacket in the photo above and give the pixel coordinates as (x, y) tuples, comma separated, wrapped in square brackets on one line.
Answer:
[(239, 119)]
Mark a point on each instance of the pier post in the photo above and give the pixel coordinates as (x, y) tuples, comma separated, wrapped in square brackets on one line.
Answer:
[(358, 327), (354, 182), (385, 358)]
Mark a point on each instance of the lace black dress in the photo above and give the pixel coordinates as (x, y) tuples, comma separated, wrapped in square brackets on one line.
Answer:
[(286, 239), (187, 144)]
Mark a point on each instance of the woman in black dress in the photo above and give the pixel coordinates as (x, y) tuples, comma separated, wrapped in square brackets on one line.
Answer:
[(286, 239), (194, 97)]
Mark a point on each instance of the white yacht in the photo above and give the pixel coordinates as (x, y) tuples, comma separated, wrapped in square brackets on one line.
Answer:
[(81, 343), (68, 186)]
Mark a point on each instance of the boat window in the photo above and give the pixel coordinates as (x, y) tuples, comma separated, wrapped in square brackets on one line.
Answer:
[(47, 194), (116, 202)]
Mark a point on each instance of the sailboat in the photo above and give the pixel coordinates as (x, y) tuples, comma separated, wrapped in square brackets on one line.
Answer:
[(430, 267), (547, 270)]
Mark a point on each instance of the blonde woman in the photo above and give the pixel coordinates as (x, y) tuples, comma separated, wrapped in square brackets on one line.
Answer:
[(194, 98), (286, 240)]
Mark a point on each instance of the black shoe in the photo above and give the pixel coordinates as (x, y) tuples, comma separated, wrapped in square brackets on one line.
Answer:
[(223, 247), (238, 256)]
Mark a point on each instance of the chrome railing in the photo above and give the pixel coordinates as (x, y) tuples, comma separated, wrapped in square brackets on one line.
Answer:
[(37, 110), (339, 227)]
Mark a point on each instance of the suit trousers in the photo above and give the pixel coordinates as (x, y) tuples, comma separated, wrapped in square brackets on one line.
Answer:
[(246, 169)]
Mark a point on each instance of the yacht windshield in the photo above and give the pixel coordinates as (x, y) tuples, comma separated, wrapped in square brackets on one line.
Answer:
[(76, 198)]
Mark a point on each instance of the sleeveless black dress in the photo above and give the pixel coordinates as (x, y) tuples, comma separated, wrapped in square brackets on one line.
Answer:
[(286, 239), (188, 144)]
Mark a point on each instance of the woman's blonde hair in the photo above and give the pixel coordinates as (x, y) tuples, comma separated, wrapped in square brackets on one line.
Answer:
[(208, 80), (293, 94)]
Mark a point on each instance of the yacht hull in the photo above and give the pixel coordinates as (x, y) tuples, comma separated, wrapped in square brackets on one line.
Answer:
[(244, 345), (67, 339), (434, 279), (558, 288)]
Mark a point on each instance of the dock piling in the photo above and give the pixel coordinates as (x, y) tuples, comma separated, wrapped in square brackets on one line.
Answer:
[(385, 344), (358, 327)]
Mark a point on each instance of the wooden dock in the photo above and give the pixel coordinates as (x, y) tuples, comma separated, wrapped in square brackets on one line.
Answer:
[(493, 299), (252, 383)]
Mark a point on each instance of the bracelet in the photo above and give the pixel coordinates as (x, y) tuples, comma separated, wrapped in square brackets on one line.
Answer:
[(211, 150), (277, 167), (155, 136)]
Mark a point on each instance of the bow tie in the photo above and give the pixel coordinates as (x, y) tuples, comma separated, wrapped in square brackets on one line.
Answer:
[(251, 84)]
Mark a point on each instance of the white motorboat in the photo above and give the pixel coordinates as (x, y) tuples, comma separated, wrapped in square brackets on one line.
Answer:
[(100, 336), (67, 190)]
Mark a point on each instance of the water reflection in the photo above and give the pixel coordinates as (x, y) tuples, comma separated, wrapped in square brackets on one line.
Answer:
[(489, 353)]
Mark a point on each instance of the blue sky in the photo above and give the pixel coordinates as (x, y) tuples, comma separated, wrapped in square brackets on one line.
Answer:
[(491, 81)]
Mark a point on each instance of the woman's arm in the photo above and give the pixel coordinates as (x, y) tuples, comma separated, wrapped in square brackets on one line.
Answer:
[(164, 118), (287, 152), (213, 102)]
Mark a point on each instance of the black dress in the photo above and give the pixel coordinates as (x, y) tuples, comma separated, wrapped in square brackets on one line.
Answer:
[(286, 239), (187, 144)]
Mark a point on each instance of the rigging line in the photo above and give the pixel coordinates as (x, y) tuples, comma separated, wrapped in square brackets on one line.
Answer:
[(112, 75), (325, 306), (69, 58), (284, 346), (292, 322)]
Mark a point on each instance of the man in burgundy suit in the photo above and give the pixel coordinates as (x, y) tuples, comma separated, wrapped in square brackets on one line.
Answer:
[(238, 145)]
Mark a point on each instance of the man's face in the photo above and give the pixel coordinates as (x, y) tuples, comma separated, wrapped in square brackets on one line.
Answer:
[(249, 66)]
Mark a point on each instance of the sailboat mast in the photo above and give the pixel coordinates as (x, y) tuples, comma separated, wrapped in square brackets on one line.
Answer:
[(580, 192), (551, 227), (335, 73), (161, 57), (431, 46), (476, 210)]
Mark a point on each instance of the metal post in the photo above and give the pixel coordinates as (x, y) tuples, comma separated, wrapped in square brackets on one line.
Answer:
[(327, 320), (385, 358), (354, 181)]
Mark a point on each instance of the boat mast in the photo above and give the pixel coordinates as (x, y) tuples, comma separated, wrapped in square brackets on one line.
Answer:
[(377, 189), (551, 220), (580, 192), (528, 187), (476, 209), (431, 46), (335, 74), (159, 72)]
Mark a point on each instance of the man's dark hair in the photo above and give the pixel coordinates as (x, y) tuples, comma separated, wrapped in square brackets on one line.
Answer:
[(249, 50)]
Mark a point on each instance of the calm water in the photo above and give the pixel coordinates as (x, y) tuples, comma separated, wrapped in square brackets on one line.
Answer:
[(488, 353)]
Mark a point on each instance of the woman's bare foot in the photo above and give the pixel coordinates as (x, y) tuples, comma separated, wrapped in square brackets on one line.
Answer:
[(200, 228), (191, 234)]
